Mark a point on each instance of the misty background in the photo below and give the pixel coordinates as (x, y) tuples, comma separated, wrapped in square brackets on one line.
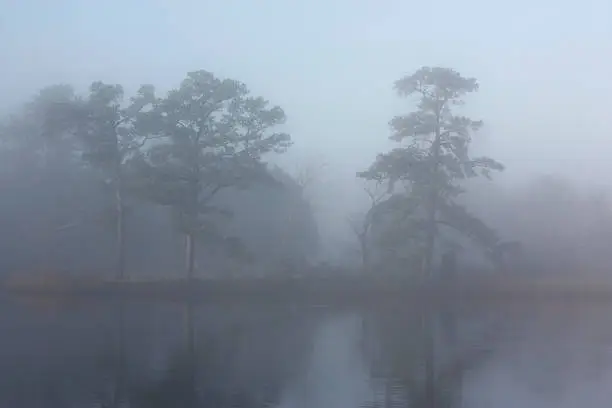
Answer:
[(543, 72)]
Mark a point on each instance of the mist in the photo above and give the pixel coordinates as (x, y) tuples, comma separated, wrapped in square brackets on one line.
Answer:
[(286, 204), (331, 68)]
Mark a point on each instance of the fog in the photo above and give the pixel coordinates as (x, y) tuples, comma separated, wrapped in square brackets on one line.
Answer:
[(543, 72)]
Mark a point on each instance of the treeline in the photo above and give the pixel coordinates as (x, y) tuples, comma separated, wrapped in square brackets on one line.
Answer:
[(564, 227), (101, 182), (114, 180), (415, 216)]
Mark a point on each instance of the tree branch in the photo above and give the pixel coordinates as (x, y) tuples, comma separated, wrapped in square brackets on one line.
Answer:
[(214, 192), (144, 140)]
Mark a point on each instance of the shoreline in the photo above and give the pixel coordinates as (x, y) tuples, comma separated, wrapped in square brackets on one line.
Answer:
[(326, 289)]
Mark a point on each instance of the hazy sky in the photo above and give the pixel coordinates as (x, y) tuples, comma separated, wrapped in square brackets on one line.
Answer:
[(545, 70)]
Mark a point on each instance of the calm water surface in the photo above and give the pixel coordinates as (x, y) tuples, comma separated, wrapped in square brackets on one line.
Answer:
[(147, 354)]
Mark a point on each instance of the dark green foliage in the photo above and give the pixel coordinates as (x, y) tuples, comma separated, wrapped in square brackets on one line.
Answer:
[(217, 134), (107, 129), (433, 163), (75, 169), (438, 141), (108, 140)]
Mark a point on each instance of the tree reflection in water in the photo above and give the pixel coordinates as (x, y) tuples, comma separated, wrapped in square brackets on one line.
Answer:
[(235, 364), (132, 355), (419, 359)]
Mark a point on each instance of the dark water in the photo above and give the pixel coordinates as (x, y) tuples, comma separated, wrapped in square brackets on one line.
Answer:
[(139, 354)]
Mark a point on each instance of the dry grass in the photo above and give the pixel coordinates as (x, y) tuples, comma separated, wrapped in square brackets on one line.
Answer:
[(50, 282), (332, 287)]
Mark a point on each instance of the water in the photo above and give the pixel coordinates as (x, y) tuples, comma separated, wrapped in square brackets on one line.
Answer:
[(155, 354)]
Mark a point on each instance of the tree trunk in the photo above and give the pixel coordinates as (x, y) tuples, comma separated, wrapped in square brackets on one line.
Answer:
[(430, 243), (189, 255), (191, 217), (432, 207), (120, 226), (448, 267), (365, 256)]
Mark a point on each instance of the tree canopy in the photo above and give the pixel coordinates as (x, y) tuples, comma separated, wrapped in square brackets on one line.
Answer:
[(432, 162), (217, 135), (103, 161), (196, 151)]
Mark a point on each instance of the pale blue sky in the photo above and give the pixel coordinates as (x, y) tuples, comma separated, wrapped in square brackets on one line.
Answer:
[(545, 67)]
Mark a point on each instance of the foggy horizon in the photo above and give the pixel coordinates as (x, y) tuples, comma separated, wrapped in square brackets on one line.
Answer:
[(290, 205), (331, 67)]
